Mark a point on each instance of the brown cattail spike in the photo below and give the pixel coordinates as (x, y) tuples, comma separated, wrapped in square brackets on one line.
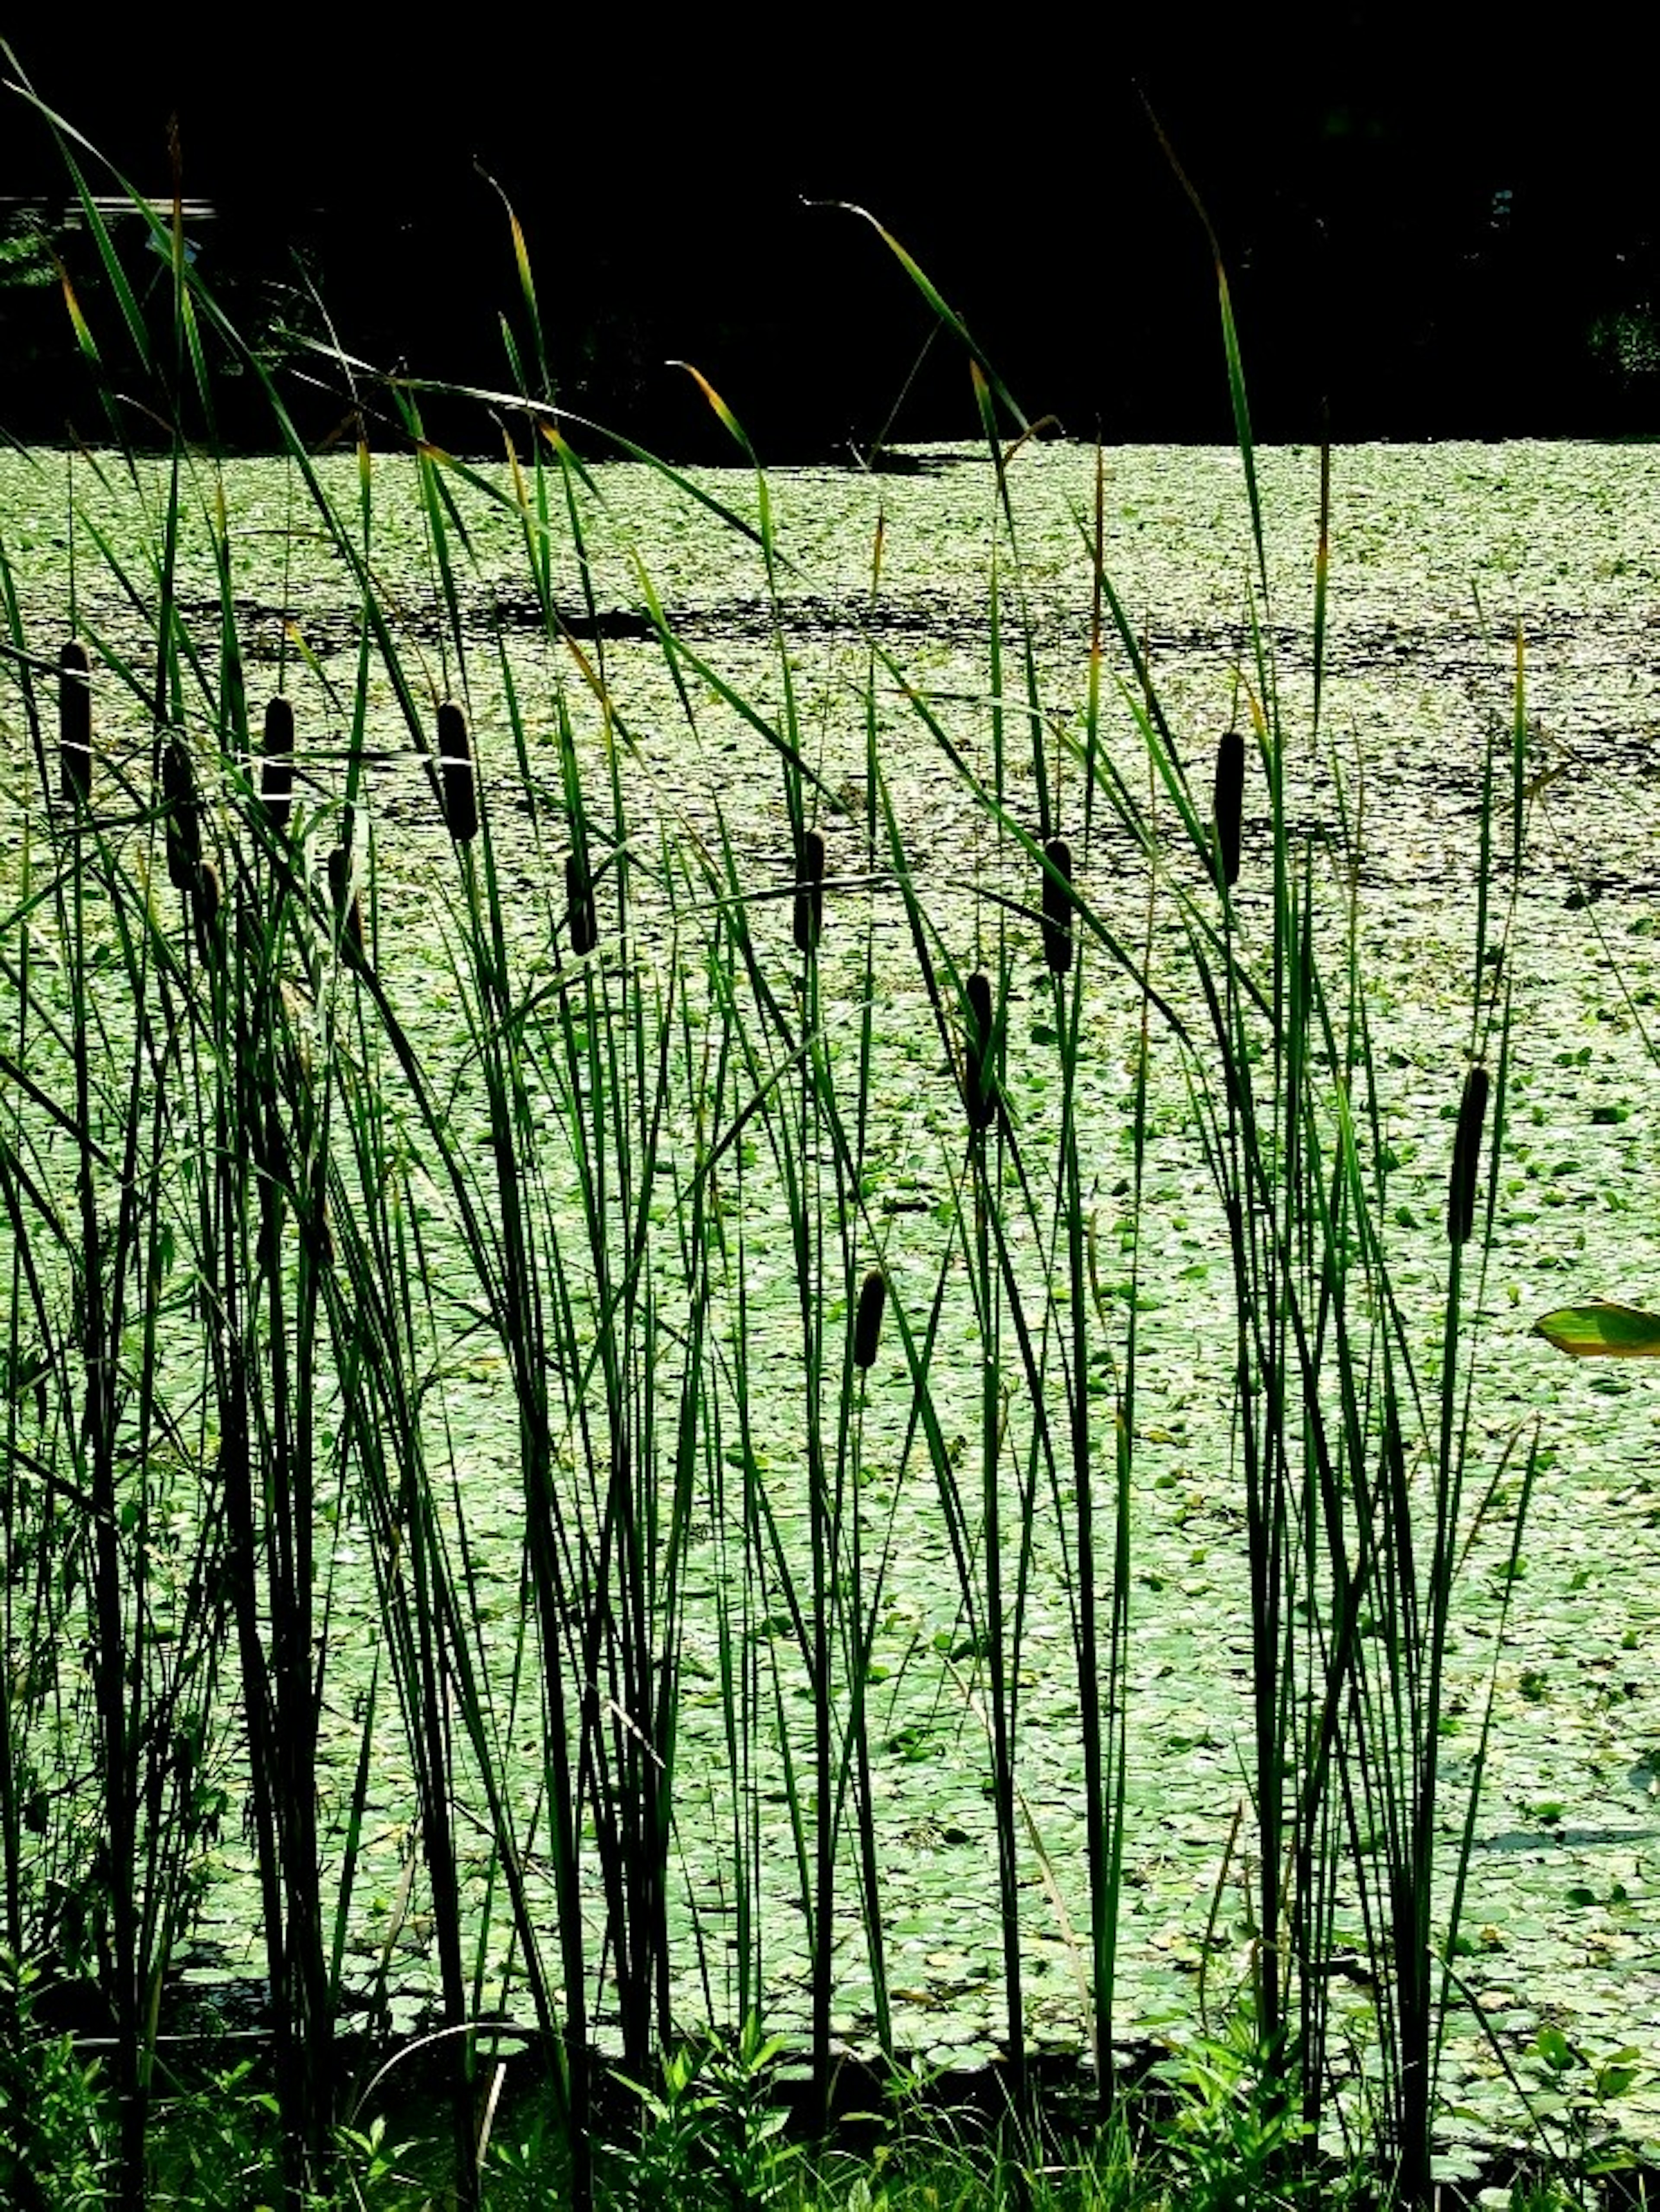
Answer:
[(276, 776), (347, 904), (207, 899), (1057, 905), (579, 907), (183, 831), (979, 1091), (867, 1324), (1230, 803), (456, 788), (810, 892), (1467, 1157), (75, 722), (234, 697)]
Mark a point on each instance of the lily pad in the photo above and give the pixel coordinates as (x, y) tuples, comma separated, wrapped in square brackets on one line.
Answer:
[(1602, 1330)]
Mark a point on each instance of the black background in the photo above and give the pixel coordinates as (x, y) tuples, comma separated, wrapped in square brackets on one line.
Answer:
[(1431, 226)]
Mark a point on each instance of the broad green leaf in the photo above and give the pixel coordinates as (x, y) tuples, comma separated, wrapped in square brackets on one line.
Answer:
[(1602, 1330)]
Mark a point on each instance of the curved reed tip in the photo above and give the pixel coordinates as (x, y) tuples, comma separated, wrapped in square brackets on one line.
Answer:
[(1057, 905), (580, 916), (979, 1091), (1467, 1157), (810, 892), (1230, 805), (181, 816), (456, 788), (867, 1325), (277, 770), (75, 721)]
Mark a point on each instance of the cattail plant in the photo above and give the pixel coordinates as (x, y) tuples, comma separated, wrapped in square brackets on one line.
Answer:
[(343, 891), (233, 683), (580, 917), (867, 1325), (207, 899), (1467, 1157), (1057, 906), (183, 832), (457, 790), (810, 892), (979, 1082), (1229, 801), (276, 774), (75, 722)]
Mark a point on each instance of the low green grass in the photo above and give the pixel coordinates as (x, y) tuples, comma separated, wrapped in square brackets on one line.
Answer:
[(576, 1312), (722, 2130)]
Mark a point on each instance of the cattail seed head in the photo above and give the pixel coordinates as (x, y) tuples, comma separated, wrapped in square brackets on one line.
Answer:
[(979, 1091), (276, 773), (456, 786), (183, 831), (579, 907), (1229, 806), (75, 722), (867, 1324), (1467, 1157), (347, 904), (1057, 906), (810, 892), (207, 903), (234, 693)]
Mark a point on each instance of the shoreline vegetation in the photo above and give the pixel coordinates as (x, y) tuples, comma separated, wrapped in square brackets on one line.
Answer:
[(591, 1325)]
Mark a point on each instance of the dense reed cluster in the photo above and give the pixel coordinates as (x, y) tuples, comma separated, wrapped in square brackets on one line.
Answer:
[(347, 1194)]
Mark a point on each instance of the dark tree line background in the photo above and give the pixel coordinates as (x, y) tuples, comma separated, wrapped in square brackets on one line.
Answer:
[(1428, 234)]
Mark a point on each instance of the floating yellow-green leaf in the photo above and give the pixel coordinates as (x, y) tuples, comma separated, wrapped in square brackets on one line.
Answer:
[(1602, 1330)]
